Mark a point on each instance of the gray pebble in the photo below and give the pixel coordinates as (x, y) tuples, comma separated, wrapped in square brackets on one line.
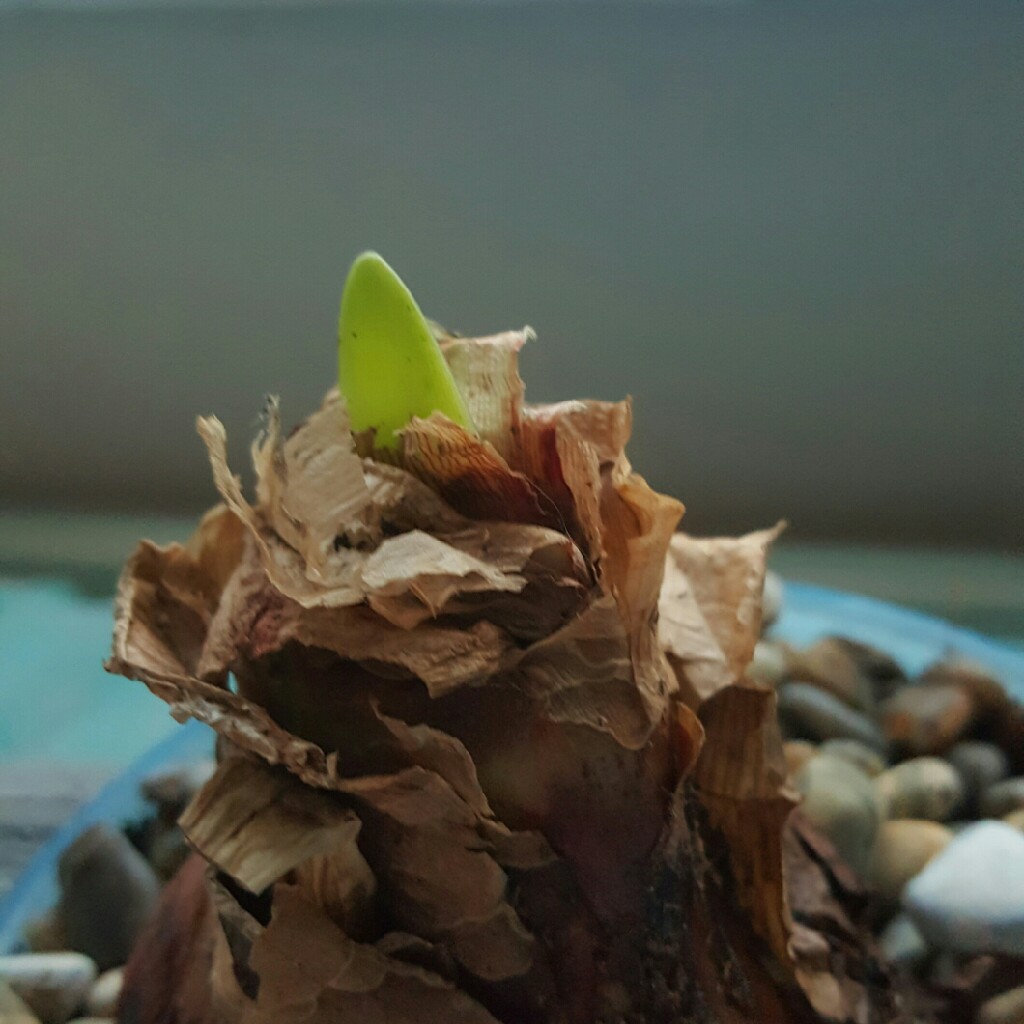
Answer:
[(771, 598), (923, 787), (840, 801), (1003, 798), (108, 891), (769, 665), (105, 992), (902, 943), (53, 985), (867, 760), (809, 712), (980, 765), (970, 898), (1006, 1008)]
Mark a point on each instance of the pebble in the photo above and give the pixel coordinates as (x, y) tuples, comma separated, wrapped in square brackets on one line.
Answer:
[(980, 765), (769, 665), (771, 598), (45, 934), (927, 719), (53, 985), (902, 943), (990, 696), (902, 849), (797, 753), (1016, 820), (840, 801), (811, 713), (867, 760), (168, 851), (170, 792), (881, 669), (108, 891), (1003, 798), (923, 787), (830, 665), (970, 897), (105, 992), (12, 1007), (1007, 1008)]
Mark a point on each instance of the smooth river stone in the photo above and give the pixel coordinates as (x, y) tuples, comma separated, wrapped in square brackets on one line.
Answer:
[(808, 712), (13, 1009), (980, 765), (830, 665), (797, 753), (1005, 1008), (1016, 820), (927, 719), (771, 598), (970, 897), (1003, 798), (769, 665), (923, 787), (902, 943), (902, 849), (54, 985), (108, 891), (867, 760), (840, 801), (105, 993)]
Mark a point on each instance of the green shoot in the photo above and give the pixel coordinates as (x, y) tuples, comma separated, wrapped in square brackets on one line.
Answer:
[(390, 368)]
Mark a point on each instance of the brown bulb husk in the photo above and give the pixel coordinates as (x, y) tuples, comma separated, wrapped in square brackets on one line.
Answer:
[(489, 756)]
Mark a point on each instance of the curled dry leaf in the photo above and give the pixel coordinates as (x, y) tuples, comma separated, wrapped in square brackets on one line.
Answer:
[(710, 608)]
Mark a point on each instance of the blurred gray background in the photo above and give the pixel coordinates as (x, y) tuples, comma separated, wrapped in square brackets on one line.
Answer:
[(794, 232)]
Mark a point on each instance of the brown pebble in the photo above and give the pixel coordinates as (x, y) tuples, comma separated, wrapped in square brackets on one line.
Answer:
[(797, 753), (1016, 819), (902, 848), (108, 892), (883, 671), (831, 666), (46, 934), (927, 719), (13, 1009), (1006, 1008)]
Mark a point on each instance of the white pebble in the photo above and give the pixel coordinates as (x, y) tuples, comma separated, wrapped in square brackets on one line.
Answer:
[(54, 985), (105, 992)]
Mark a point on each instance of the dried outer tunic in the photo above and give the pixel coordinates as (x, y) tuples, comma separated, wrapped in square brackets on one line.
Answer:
[(459, 738)]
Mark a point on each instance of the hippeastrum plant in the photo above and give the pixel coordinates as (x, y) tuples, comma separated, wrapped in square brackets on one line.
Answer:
[(486, 751)]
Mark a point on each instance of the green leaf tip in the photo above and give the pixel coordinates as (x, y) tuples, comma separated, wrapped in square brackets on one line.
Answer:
[(390, 368)]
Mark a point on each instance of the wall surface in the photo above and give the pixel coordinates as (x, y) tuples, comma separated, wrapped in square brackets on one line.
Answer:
[(794, 232)]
